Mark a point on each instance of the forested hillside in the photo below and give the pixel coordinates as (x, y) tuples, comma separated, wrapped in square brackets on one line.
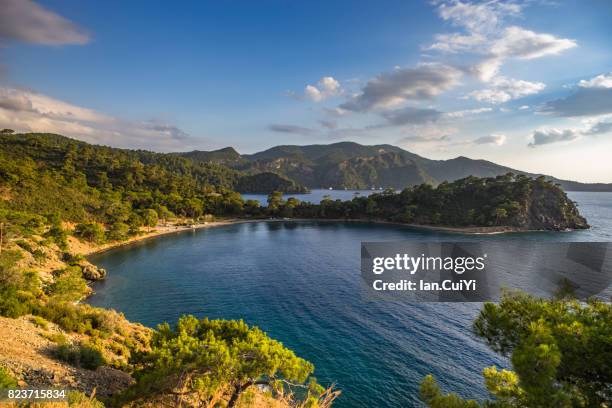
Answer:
[(60, 200), (52, 174), (512, 201)]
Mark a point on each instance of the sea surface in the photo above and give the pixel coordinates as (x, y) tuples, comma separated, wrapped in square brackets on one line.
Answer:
[(300, 282)]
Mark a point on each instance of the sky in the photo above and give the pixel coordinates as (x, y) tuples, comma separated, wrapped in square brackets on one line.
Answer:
[(523, 83)]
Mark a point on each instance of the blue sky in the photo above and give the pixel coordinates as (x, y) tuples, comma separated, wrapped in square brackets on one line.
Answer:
[(526, 84)]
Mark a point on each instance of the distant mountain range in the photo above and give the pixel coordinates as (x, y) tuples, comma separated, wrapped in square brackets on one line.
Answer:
[(354, 166)]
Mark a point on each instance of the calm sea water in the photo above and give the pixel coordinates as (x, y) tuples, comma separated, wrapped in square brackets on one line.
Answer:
[(300, 283), (315, 196)]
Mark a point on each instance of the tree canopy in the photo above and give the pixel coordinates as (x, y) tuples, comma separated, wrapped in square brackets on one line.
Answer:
[(204, 360), (560, 351)]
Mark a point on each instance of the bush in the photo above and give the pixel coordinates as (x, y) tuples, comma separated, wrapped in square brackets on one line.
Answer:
[(57, 233), (69, 284), (80, 318), (57, 338), (9, 273), (78, 399), (81, 355), (72, 259), (90, 231), (40, 322), (6, 379), (118, 231), (16, 287), (18, 223), (11, 305)]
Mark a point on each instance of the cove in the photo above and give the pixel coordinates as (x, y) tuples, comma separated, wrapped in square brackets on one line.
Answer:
[(299, 281)]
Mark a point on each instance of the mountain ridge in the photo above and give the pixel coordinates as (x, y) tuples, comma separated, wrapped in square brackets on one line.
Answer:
[(355, 166)]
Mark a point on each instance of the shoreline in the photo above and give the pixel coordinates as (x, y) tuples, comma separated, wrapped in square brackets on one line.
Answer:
[(157, 232), (175, 229)]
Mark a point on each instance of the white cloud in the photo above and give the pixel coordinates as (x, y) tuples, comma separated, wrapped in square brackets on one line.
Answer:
[(486, 34), (28, 111), (393, 88), (593, 126), (494, 138), (599, 128), (523, 107), (592, 97), (478, 17), (487, 69), (553, 135), (326, 87), (467, 112), (505, 89), (600, 81), (456, 42), (24, 20), (20, 100), (517, 42)]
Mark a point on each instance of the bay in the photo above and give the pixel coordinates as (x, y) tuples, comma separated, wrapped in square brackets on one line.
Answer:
[(300, 282)]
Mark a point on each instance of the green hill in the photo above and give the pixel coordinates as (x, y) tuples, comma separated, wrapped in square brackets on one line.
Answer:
[(52, 174), (354, 166)]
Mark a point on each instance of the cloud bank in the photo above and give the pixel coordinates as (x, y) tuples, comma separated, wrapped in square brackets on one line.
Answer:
[(393, 88), (592, 97), (25, 20), (28, 111)]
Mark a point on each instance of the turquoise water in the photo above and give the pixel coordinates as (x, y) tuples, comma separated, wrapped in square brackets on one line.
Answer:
[(300, 282)]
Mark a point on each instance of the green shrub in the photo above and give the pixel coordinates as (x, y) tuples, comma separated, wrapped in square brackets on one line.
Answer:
[(118, 231), (81, 355), (40, 322), (57, 338), (25, 245), (69, 284), (10, 303), (10, 275), (18, 223), (17, 288), (56, 232), (78, 399), (90, 231), (6, 379), (79, 318), (72, 259)]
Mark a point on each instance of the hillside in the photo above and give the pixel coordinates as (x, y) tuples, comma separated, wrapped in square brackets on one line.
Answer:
[(227, 155), (354, 166), (494, 204), (30, 165)]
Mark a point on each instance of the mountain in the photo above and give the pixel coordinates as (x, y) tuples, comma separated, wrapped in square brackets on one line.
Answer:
[(355, 166), (227, 155), (36, 155)]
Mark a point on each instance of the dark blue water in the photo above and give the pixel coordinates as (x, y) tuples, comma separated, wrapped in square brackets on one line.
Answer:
[(300, 282)]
